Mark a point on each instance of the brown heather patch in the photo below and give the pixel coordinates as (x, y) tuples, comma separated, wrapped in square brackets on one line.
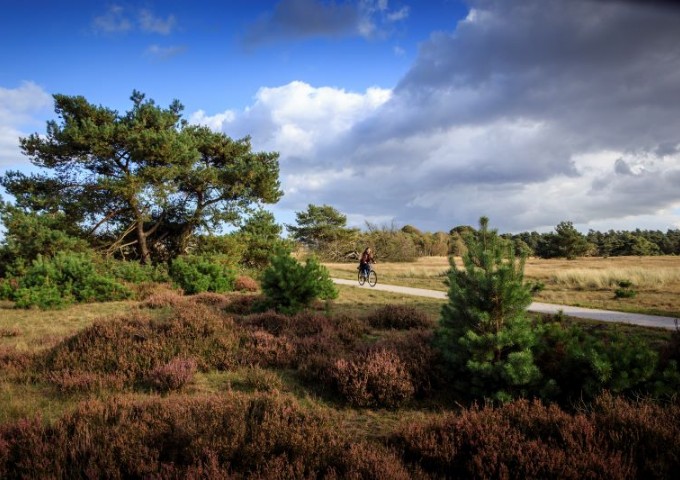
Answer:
[(519, 440), (244, 283), (420, 358), (374, 379), (172, 376), (644, 431), (164, 299), (73, 382), (261, 348), (134, 345), (13, 361), (212, 299), (143, 290), (398, 317), (242, 304), (255, 436)]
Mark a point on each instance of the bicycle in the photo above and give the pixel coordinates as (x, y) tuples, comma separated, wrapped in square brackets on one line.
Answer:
[(371, 277)]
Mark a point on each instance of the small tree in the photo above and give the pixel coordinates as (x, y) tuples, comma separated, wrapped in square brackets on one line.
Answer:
[(290, 286), (319, 226), (569, 242), (483, 332), (261, 235)]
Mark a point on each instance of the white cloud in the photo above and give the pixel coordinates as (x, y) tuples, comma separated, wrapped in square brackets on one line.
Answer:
[(148, 22), (113, 21), (21, 112), (398, 15), (117, 19), (214, 122), (297, 119), (164, 53)]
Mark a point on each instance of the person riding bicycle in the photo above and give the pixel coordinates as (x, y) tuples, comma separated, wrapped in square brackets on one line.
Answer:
[(365, 261)]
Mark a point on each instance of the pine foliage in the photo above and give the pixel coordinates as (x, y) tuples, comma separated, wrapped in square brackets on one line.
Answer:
[(291, 286), (484, 332)]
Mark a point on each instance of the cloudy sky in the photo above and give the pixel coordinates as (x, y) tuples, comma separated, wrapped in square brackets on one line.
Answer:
[(428, 113)]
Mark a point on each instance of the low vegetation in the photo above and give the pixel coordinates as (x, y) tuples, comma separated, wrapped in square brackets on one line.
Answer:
[(180, 387)]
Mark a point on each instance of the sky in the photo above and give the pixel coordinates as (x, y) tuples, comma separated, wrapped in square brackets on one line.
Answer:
[(395, 112)]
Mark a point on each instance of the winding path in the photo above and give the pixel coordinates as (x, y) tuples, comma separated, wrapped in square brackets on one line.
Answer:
[(578, 312)]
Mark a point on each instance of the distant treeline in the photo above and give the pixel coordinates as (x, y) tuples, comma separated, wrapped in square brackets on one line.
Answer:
[(564, 242), (608, 244)]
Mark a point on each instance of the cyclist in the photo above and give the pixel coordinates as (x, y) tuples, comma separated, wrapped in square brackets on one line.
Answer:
[(365, 261)]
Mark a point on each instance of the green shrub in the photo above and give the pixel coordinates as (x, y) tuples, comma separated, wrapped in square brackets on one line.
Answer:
[(64, 279), (290, 286), (625, 290), (135, 272), (198, 273), (581, 365), (625, 293), (45, 297)]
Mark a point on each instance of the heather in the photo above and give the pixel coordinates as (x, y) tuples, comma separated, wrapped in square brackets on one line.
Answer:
[(185, 387)]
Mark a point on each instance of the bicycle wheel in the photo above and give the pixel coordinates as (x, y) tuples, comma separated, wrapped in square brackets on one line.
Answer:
[(372, 278), (362, 278)]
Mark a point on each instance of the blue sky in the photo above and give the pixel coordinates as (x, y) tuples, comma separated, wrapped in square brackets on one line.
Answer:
[(429, 113)]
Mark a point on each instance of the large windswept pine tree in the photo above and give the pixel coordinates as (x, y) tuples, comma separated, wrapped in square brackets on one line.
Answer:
[(144, 180)]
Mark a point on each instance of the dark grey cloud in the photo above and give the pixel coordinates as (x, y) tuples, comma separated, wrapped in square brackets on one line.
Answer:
[(298, 19), (292, 19), (530, 112), (591, 76), (606, 63)]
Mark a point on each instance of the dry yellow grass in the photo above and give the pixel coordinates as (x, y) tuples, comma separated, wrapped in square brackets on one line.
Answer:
[(35, 330)]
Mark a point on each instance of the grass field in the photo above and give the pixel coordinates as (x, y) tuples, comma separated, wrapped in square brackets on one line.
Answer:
[(585, 282)]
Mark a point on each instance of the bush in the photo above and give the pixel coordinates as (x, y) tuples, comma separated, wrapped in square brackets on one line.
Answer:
[(374, 379), (134, 346), (245, 284), (421, 360), (521, 439), (72, 382), (244, 304), (581, 365), (625, 293), (260, 348), (290, 286), (212, 299), (173, 375), (195, 274), (135, 272), (165, 298), (65, 279), (646, 432), (399, 317), (261, 380)]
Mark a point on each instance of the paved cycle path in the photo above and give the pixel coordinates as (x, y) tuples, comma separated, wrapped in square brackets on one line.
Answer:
[(578, 312)]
